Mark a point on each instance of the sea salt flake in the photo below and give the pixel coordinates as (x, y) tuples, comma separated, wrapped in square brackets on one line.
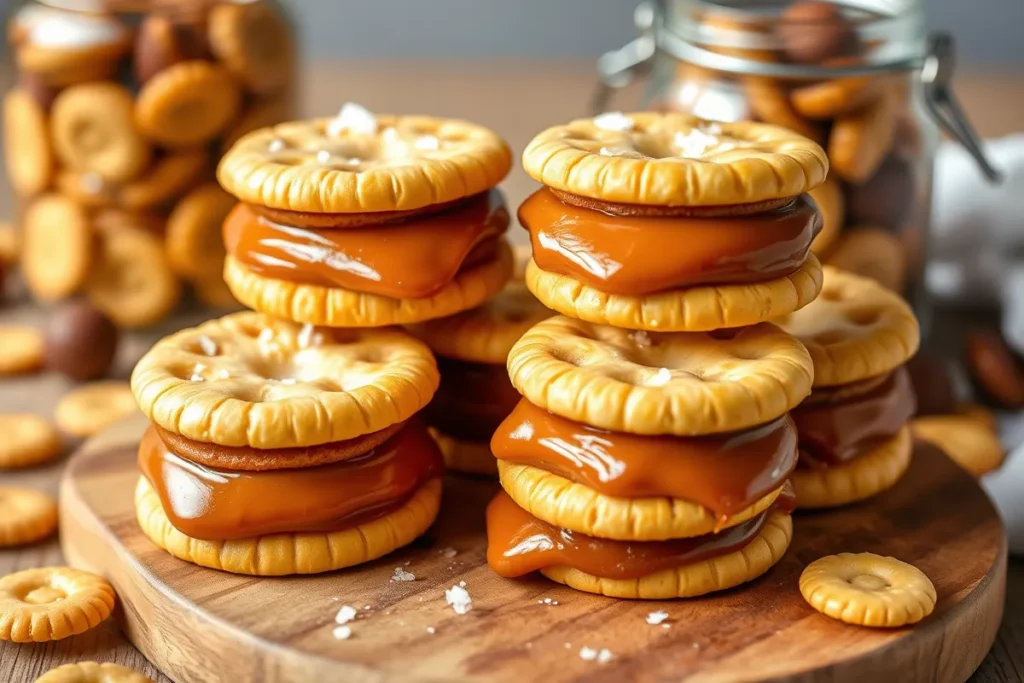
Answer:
[(448, 553), (655, 618), (309, 337), (604, 656), (431, 630), (458, 598), (640, 338), (462, 584), (588, 654), (323, 156), (694, 144), (613, 120), (346, 614), (353, 118), (208, 345), (426, 142), (276, 145), (197, 373), (342, 632), (660, 378), (402, 575)]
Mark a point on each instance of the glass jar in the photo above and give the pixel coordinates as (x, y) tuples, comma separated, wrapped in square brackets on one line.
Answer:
[(119, 114), (860, 77)]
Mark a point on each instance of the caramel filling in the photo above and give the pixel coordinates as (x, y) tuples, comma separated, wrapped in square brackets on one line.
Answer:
[(472, 400), (411, 259), (725, 473), (518, 543), (636, 255), (208, 503), (836, 431)]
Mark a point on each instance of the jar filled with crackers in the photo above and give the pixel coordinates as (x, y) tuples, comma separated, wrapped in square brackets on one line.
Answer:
[(860, 77), (113, 127)]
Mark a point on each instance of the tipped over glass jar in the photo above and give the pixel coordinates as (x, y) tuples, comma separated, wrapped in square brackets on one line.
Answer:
[(860, 77), (112, 131)]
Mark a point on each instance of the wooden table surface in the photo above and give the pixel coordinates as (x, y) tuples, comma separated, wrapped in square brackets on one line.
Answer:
[(517, 99)]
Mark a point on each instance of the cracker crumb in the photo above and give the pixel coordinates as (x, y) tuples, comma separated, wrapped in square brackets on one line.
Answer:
[(342, 632), (448, 553), (655, 618), (458, 598), (402, 575), (346, 614)]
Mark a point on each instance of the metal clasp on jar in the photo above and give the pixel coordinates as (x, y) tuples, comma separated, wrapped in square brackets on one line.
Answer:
[(617, 68)]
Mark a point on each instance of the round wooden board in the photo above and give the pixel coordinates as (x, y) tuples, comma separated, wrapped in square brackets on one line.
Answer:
[(198, 624)]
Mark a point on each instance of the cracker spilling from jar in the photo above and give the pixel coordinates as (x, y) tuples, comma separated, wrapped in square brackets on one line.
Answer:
[(116, 123)]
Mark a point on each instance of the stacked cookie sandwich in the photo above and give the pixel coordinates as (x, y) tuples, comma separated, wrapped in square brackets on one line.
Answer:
[(288, 440), (854, 436), (476, 395), (650, 453)]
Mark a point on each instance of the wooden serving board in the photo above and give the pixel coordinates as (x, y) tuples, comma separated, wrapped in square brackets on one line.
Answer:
[(201, 625)]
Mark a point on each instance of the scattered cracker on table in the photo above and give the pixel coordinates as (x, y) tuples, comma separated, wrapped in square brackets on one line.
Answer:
[(51, 603), (967, 439), (28, 440), (25, 516), (868, 590), (93, 672), (21, 349), (91, 407)]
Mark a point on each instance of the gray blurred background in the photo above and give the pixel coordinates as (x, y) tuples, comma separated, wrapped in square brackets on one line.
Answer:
[(989, 32)]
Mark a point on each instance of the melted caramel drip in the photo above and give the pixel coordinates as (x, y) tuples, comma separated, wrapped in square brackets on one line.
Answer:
[(518, 543), (472, 400), (643, 255), (834, 432), (411, 259), (207, 503), (725, 473)]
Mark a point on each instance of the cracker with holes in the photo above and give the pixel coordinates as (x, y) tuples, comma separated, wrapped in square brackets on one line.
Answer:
[(854, 438), (865, 589), (317, 459), (475, 394), (663, 221), (614, 455), (366, 220), (52, 603)]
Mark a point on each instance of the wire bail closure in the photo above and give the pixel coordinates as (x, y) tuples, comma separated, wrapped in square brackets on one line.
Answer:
[(617, 69)]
